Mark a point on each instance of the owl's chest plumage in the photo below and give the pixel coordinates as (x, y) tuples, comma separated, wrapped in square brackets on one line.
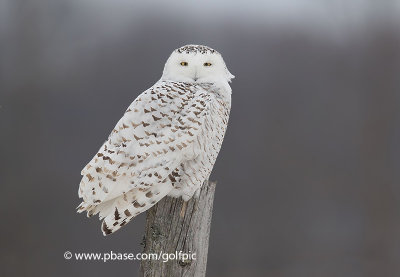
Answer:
[(207, 145)]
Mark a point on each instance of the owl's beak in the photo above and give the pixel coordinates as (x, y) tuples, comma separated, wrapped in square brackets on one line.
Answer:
[(195, 76)]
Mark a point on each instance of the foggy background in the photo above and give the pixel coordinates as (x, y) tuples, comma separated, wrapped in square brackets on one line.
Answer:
[(308, 175)]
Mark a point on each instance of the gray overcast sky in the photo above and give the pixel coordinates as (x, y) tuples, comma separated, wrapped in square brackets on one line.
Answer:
[(334, 16), (322, 11), (264, 9)]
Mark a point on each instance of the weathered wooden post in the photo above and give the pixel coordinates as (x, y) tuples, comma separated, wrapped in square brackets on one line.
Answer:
[(173, 225)]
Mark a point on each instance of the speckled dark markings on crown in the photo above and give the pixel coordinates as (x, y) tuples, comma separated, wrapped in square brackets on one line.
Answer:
[(196, 49)]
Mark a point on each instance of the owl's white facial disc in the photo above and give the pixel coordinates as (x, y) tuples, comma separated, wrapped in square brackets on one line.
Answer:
[(196, 64)]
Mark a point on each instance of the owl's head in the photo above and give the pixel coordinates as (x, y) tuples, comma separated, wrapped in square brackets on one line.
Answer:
[(196, 64)]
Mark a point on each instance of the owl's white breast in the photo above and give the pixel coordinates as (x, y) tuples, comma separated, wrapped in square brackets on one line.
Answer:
[(208, 143)]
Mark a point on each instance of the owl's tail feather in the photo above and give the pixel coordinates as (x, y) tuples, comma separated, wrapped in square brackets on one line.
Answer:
[(121, 210), (103, 209), (85, 207)]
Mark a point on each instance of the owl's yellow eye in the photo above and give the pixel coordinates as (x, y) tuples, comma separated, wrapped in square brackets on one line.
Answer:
[(184, 63), (207, 64)]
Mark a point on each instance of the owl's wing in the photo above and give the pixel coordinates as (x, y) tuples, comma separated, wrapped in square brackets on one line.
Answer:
[(156, 134)]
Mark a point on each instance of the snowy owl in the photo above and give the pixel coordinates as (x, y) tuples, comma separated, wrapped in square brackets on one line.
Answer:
[(165, 144)]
